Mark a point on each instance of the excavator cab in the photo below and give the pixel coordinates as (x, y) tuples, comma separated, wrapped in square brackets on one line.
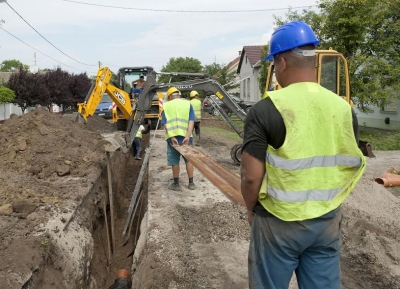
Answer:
[(332, 72), (127, 77)]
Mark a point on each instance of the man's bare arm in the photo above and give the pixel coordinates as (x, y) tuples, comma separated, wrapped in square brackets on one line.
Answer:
[(190, 128), (252, 174)]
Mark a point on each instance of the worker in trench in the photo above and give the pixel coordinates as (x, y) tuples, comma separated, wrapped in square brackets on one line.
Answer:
[(196, 103), (178, 119), (137, 141), (300, 161)]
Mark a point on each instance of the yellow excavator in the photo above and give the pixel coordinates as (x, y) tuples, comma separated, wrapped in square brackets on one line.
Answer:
[(332, 72), (124, 102)]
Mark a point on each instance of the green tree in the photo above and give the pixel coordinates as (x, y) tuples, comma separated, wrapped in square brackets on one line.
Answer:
[(180, 64), (227, 79), (6, 96), (220, 72), (9, 65), (367, 32), (21, 84), (262, 78), (212, 69)]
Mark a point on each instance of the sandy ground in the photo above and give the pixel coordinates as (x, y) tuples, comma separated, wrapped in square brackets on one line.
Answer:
[(198, 239)]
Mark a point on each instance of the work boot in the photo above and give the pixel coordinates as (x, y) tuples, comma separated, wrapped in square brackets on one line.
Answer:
[(174, 187), (138, 158), (191, 186)]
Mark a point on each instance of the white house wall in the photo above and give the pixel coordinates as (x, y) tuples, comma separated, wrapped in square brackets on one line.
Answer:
[(249, 82), (375, 118), (233, 69), (7, 109)]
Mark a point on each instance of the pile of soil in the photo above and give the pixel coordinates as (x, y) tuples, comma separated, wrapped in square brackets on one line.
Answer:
[(39, 149), (47, 164)]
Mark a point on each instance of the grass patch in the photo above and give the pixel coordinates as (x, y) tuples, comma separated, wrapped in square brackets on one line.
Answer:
[(238, 122), (381, 140), (222, 133)]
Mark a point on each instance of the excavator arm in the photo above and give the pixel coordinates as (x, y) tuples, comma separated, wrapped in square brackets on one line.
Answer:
[(100, 86), (209, 86)]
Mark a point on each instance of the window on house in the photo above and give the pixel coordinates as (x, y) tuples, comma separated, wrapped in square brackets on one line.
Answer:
[(248, 88)]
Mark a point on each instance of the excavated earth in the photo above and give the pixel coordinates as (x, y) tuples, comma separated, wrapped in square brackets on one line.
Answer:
[(53, 199)]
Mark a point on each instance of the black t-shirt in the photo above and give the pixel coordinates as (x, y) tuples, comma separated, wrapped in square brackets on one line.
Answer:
[(264, 126)]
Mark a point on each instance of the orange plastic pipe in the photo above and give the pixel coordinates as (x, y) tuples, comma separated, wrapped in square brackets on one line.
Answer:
[(388, 180)]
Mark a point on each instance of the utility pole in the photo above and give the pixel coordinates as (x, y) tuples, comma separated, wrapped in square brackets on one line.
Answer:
[(34, 57)]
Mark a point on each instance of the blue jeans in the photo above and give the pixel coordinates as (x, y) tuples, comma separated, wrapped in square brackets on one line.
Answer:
[(137, 146), (311, 248)]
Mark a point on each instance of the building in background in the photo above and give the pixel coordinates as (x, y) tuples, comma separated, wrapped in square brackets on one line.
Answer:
[(232, 68), (248, 70)]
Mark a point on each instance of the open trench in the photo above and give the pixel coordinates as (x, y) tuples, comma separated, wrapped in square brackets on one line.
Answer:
[(106, 262)]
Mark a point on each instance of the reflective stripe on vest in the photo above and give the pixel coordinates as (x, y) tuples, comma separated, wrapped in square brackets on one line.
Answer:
[(177, 115), (312, 162), (139, 134), (196, 107), (317, 166)]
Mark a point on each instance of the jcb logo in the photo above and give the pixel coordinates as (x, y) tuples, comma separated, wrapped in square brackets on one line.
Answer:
[(120, 97)]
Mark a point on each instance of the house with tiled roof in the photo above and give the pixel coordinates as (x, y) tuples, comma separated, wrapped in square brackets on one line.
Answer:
[(248, 70), (232, 67)]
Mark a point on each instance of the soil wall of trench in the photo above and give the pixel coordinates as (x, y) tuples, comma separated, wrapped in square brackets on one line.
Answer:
[(54, 194)]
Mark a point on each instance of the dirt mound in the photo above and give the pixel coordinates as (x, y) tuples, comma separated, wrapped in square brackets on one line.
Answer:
[(39, 149), (48, 163), (99, 125)]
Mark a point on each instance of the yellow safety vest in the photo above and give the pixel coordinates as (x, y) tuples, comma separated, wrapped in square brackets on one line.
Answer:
[(319, 163), (196, 103), (139, 132), (177, 114)]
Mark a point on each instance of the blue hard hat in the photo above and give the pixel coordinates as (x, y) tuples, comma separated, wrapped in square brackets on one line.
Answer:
[(289, 36)]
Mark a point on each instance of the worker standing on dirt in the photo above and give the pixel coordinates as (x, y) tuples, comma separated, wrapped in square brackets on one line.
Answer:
[(178, 119), (300, 161), (196, 103)]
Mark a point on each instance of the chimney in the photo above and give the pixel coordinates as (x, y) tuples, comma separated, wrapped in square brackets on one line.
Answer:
[(240, 52)]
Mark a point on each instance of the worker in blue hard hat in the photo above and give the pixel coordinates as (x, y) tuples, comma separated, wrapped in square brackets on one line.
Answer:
[(300, 161)]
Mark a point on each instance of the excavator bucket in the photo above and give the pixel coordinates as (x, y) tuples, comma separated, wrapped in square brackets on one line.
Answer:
[(366, 148)]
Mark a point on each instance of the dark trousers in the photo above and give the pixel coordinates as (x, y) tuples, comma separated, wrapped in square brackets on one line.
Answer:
[(310, 248), (137, 146), (197, 128)]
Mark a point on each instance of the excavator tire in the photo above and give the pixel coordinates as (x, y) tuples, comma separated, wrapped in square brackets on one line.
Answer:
[(122, 124), (236, 154)]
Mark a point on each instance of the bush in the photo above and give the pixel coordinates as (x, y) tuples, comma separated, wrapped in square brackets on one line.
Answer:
[(6, 95)]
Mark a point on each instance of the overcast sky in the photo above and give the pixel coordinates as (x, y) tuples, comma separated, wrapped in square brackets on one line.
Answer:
[(124, 37)]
